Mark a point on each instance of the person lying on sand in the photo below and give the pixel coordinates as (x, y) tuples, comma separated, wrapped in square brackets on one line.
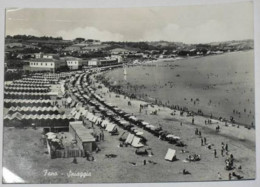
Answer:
[(133, 163), (237, 176), (185, 172)]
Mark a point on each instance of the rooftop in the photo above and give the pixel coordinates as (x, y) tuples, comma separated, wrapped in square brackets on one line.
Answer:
[(44, 60), (83, 133)]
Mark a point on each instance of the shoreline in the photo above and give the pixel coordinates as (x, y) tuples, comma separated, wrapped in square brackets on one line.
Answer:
[(241, 140), (159, 103)]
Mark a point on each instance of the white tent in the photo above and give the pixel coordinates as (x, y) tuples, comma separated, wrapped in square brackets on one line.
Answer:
[(73, 111), (110, 127), (104, 123), (69, 100), (136, 142), (94, 119), (129, 138), (173, 136), (77, 115), (51, 135), (98, 120), (139, 133), (170, 155)]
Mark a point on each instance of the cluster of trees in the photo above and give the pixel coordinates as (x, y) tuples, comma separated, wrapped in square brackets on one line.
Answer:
[(30, 37), (137, 45)]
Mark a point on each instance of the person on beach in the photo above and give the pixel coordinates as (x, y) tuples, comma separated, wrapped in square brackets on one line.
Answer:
[(229, 176), (219, 176), (192, 121), (100, 136), (205, 140), (74, 160), (226, 147), (215, 153), (201, 141)]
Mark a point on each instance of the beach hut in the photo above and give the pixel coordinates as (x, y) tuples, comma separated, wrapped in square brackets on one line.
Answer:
[(170, 155), (82, 135)]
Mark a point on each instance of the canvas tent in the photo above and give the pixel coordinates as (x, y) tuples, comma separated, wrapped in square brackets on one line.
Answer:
[(104, 123), (136, 142), (110, 127), (170, 155), (129, 138)]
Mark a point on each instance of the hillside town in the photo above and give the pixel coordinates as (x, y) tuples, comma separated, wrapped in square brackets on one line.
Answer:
[(32, 54)]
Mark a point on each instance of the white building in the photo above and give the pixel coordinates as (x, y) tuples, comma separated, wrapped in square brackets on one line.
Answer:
[(102, 62), (93, 62), (38, 55), (118, 57), (73, 63), (51, 56), (44, 64)]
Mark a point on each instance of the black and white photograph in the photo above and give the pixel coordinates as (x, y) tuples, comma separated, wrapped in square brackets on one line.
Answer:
[(148, 94)]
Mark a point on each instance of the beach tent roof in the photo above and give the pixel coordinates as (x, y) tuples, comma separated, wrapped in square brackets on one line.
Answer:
[(129, 138), (136, 142), (77, 116), (139, 133), (69, 100), (17, 115), (145, 123), (170, 155), (173, 136), (110, 127), (83, 133), (104, 123)]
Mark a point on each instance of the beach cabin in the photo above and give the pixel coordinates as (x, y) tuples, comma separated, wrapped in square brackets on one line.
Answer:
[(82, 135)]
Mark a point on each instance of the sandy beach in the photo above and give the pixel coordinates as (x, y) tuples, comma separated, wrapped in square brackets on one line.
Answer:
[(29, 160), (241, 141)]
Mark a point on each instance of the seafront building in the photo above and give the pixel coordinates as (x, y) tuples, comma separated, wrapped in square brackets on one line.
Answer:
[(73, 63), (44, 64), (103, 62)]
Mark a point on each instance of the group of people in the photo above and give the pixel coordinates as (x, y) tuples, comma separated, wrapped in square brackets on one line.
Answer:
[(100, 136)]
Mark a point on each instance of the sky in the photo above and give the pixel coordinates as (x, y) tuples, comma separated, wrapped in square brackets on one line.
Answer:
[(188, 24)]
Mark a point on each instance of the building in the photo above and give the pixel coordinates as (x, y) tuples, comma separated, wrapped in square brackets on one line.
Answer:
[(82, 135), (73, 48), (93, 62), (44, 64), (48, 55), (14, 45), (118, 57), (73, 63), (123, 51), (38, 55), (93, 48), (102, 62), (51, 56)]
